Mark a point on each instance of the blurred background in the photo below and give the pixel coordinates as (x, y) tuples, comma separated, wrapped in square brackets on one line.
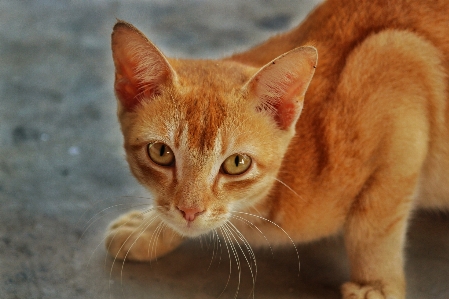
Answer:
[(63, 176)]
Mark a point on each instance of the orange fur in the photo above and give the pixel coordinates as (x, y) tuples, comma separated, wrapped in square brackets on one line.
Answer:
[(371, 145)]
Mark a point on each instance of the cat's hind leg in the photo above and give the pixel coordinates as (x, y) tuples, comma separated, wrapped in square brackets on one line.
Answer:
[(139, 236), (401, 87)]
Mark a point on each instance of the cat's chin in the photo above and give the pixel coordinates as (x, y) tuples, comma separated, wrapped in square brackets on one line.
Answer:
[(191, 232)]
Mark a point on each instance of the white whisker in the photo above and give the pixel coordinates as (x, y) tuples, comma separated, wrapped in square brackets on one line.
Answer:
[(212, 239), (173, 234), (230, 261), (227, 234), (116, 256), (147, 224), (148, 200), (154, 239), (231, 228), (253, 226), (245, 242), (275, 224), (94, 218), (201, 242), (289, 188), (104, 200), (218, 245), (123, 224), (104, 239)]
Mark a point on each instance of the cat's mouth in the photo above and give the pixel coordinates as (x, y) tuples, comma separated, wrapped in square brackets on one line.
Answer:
[(199, 226)]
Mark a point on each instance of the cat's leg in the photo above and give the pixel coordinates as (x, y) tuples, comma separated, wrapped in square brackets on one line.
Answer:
[(405, 99), (374, 237), (140, 236)]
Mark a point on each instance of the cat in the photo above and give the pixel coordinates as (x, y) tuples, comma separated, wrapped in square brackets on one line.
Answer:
[(225, 146)]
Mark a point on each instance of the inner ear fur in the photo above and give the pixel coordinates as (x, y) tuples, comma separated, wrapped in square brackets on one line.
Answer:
[(140, 67), (279, 87)]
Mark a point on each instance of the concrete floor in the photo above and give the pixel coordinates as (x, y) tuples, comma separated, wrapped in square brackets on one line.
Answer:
[(63, 176)]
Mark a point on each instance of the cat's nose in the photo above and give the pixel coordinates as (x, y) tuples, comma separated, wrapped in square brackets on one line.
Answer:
[(190, 214)]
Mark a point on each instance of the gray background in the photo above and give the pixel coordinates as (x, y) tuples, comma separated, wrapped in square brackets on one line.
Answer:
[(63, 176)]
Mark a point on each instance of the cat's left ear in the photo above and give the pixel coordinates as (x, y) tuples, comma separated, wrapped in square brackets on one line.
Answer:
[(141, 70), (279, 87)]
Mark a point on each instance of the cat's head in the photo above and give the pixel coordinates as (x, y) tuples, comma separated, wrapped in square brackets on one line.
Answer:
[(206, 137)]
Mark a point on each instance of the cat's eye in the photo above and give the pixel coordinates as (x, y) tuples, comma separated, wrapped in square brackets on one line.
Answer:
[(161, 154), (236, 164)]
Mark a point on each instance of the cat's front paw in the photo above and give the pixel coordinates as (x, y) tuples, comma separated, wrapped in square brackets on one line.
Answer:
[(351, 290), (140, 237)]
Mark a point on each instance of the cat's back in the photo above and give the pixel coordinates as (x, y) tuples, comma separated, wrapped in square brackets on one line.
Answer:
[(338, 29), (417, 29), (339, 26)]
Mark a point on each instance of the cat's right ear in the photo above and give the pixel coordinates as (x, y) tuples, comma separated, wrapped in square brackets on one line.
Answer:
[(140, 68)]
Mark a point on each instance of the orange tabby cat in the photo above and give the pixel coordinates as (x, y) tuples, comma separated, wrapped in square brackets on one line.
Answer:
[(220, 145)]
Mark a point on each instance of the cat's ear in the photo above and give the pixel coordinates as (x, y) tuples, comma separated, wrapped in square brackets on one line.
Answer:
[(279, 87), (140, 68)]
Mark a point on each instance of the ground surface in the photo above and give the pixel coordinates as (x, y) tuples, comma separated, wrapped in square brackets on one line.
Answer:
[(61, 161)]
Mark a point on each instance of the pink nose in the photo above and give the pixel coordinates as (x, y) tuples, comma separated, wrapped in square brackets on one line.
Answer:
[(190, 214)]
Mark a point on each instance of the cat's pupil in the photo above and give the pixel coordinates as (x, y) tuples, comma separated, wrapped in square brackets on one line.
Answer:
[(237, 160), (162, 150)]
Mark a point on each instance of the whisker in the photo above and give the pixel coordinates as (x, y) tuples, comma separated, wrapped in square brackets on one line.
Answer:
[(115, 258), (253, 226), (258, 212), (289, 188), (106, 199), (153, 240), (129, 250), (102, 242), (101, 214), (150, 221), (145, 224), (89, 209), (173, 234), (275, 224), (163, 227), (227, 234), (201, 242), (230, 261), (221, 248), (126, 240), (124, 224), (242, 238), (248, 247), (137, 197), (212, 239), (218, 242), (94, 218), (232, 228)]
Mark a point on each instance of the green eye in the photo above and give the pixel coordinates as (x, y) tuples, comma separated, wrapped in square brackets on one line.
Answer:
[(161, 154), (236, 164)]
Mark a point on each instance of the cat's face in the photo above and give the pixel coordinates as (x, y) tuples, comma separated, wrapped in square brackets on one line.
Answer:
[(205, 137), (203, 146)]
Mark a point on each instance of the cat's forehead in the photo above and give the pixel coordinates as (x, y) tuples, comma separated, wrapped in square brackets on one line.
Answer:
[(211, 73), (209, 99), (203, 116)]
